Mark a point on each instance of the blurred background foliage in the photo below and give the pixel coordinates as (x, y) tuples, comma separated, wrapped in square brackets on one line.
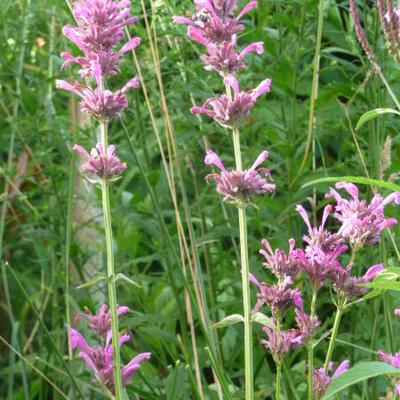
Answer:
[(39, 178)]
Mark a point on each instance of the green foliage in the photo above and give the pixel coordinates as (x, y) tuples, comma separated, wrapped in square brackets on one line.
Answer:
[(36, 139)]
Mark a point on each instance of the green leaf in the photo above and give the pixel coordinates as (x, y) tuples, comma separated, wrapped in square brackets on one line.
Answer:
[(356, 179), (263, 320), (229, 320), (358, 373), (123, 277), (93, 281), (372, 114)]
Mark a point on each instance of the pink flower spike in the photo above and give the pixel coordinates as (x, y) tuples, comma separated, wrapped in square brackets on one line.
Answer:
[(212, 158), (397, 312)]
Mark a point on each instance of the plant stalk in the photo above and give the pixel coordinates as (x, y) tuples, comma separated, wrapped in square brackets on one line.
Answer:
[(335, 329), (310, 347), (244, 256), (112, 293)]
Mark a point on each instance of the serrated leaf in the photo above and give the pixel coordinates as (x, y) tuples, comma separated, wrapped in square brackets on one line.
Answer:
[(93, 281), (372, 114), (356, 179), (123, 277), (359, 373), (263, 320), (229, 320)]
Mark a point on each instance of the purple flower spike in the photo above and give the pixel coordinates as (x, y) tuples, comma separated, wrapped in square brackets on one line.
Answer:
[(101, 322), (280, 264), (214, 20), (229, 113), (224, 58), (102, 104), (361, 223), (321, 381), (100, 358), (99, 163), (280, 345), (99, 31), (348, 286), (276, 297), (240, 186)]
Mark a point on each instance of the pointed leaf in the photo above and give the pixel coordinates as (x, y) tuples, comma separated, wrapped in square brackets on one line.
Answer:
[(126, 279), (358, 373), (263, 320), (93, 281), (229, 320), (372, 114)]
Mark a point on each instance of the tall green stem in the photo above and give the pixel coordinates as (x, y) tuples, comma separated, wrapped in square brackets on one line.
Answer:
[(335, 329), (310, 347), (112, 294), (244, 257), (278, 363)]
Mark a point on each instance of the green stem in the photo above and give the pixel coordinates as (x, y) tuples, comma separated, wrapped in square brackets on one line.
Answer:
[(248, 346), (310, 347), (112, 294), (335, 330), (278, 380), (278, 363)]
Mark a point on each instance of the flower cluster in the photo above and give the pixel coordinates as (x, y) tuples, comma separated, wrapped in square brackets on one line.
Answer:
[(215, 27), (240, 186), (361, 223), (393, 360), (99, 357), (321, 380), (322, 249), (100, 30), (279, 298), (99, 163)]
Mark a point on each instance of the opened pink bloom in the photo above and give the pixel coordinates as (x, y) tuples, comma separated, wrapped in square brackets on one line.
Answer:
[(101, 322), (230, 112), (100, 163), (215, 21), (362, 223), (240, 186), (100, 29)]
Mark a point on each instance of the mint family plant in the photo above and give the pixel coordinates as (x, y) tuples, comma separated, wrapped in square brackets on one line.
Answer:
[(99, 31)]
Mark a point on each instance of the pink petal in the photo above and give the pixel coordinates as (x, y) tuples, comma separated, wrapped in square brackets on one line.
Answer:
[(349, 187), (372, 272), (300, 209), (131, 44), (257, 46), (260, 159), (182, 20), (252, 5), (134, 82), (212, 158), (80, 149), (343, 367), (263, 87)]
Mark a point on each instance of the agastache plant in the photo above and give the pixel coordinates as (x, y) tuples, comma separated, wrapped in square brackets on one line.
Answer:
[(99, 357), (98, 36), (215, 25), (279, 298)]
